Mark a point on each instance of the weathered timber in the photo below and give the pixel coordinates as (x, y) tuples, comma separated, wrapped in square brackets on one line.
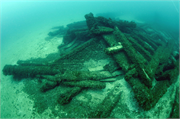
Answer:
[(47, 85), (28, 71), (102, 21), (175, 108), (110, 39), (143, 43), (99, 30), (82, 34), (66, 97), (75, 51), (168, 50), (104, 109), (170, 74), (142, 94), (90, 20), (122, 60), (135, 57), (154, 63), (86, 84), (147, 98), (146, 39), (120, 57), (85, 75), (31, 63), (128, 48), (130, 74), (124, 26), (55, 78), (174, 74), (139, 48), (159, 90)]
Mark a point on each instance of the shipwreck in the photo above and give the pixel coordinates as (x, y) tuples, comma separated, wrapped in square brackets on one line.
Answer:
[(149, 61)]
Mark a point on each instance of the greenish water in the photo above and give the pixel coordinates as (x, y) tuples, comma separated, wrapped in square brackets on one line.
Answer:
[(24, 35)]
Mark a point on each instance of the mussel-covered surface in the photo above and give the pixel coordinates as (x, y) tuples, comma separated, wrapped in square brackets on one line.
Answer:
[(106, 69)]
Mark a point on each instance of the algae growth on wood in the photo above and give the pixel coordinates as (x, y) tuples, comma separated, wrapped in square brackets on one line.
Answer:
[(150, 66)]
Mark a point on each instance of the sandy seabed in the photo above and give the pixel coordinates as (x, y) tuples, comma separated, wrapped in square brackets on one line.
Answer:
[(32, 44)]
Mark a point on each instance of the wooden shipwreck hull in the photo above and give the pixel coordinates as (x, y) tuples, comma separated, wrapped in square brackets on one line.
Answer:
[(149, 62)]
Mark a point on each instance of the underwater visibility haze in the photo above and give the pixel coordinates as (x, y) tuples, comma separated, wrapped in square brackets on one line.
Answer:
[(90, 59), (19, 16)]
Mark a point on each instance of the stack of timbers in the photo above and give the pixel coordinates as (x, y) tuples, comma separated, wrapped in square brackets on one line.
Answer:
[(76, 34), (150, 65)]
